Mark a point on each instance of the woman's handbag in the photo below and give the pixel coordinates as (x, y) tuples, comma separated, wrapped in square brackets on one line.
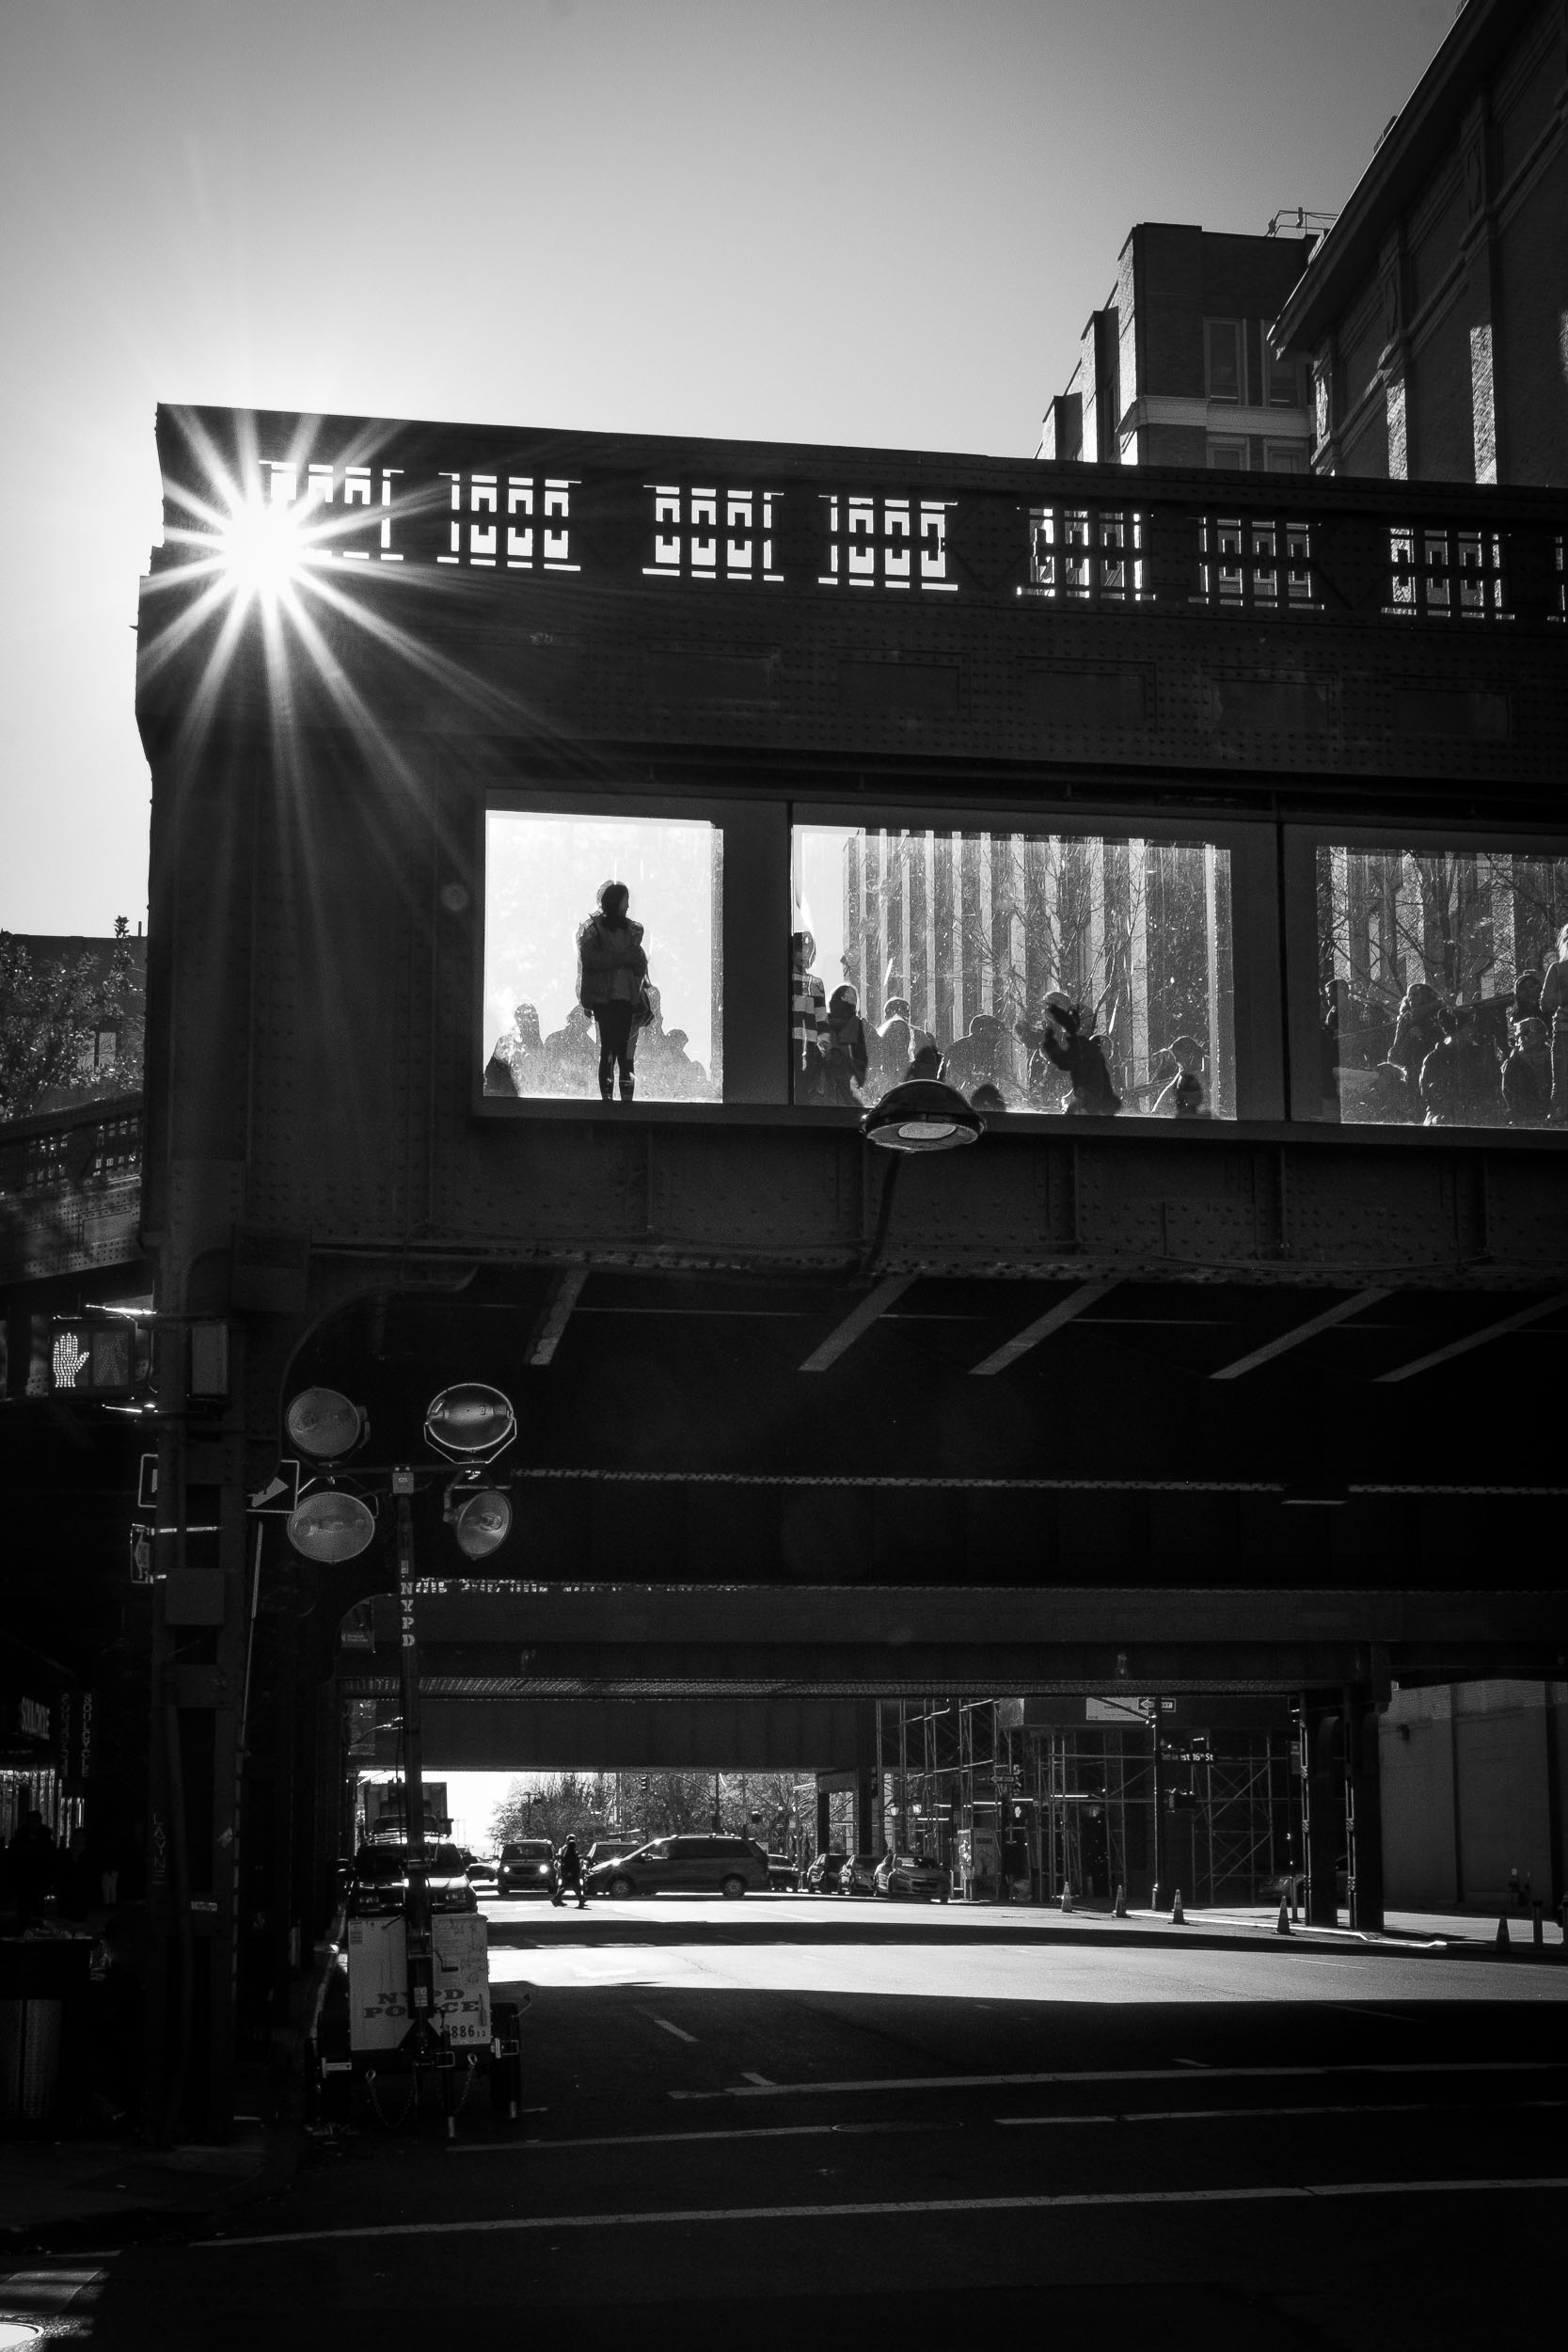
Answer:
[(644, 1016)]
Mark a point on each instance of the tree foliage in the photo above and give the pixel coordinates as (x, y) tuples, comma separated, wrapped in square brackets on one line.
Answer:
[(54, 1011), (651, 1804)]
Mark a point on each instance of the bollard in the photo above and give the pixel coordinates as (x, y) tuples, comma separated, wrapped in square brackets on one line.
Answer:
[(1538, 1922), (1282, 1925), (1067, 1895), (1177, 1917), (1119, 1909), (1503, 1943), (1154, 1898)]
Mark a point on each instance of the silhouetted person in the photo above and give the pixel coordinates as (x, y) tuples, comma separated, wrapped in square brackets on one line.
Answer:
[(987, 1098), (1526, 1081), (568, 1873), (1183, 1066), (1460, 1083), (808, 1019), (845, 1056), (1062, 1039), (612, 967), (1423, 1023), (972, 1060), (517, 1060)]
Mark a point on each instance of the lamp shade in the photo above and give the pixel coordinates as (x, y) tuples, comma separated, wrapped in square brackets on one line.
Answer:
[(922, 1115), (470, 1422), (327, 1526), (484, 1522), (323, 1423)]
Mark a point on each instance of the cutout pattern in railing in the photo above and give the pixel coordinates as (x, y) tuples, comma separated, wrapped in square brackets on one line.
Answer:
[(713, 533), (1091, 555), (1256, 564), (876, 542), (1438, 573), (77, 1152)]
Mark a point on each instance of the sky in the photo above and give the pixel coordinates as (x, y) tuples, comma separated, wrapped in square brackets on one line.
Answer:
[(858, 221)]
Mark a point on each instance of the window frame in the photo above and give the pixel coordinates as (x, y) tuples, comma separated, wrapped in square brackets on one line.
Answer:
[(1238, 327), (1300, 841), (757, 848), (1257, 1014)]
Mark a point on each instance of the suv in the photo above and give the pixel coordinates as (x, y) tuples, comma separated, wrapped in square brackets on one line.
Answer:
[(527, 1867), (823, 1875), (685, 1866), (380, 1879)]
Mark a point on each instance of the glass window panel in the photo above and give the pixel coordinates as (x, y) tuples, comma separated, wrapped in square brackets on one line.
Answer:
[(541, 876), (1225, 365), (1060, 972), (1438, 1004)]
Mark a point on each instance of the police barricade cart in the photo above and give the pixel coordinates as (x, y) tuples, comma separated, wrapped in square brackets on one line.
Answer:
[(364, 2038)]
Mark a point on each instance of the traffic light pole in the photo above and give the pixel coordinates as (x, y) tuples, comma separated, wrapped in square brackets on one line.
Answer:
[(422, 2039), (1159, 1804)]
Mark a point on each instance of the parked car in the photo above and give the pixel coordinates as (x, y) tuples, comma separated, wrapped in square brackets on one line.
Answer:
[(379, 1880), (484, 1871), (822, 1874), (858, 1874), (684, 1865), (527, 1867), (783, 1876), (904, 1877)]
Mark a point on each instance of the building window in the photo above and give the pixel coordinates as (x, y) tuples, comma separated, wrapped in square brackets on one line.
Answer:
[(1225, 360), (1284, 380), (1284, 457), (1432, 965), (542, 878), (1227, 456), (1059, 971)]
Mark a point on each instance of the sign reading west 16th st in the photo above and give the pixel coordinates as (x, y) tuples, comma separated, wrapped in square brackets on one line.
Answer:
[(713, 533)]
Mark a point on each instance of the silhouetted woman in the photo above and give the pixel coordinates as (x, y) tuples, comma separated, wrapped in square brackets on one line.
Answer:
[(611, 968)]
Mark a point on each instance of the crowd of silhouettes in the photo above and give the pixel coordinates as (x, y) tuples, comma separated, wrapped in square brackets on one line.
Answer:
[(842, 1059), (1497, 1061)]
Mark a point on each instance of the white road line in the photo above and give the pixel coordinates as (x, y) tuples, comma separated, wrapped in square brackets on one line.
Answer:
[(763, 2082), (679, 2031), (683, 2216), (672, 2139), (1133, 2075), (1278, 2115)]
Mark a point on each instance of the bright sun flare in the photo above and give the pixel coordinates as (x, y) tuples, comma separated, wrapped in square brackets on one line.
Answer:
[(263, 548)]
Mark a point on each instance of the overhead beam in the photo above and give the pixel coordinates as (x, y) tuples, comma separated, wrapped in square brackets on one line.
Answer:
[(871, 1308), (1087, 1295), (564, 1292), (1299, 1333), (1477, 1339)]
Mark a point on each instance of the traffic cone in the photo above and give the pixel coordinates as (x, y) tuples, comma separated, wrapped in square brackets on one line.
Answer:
[(1503, 1940), (1282, 1925), (1177, 1917), (1119, 1909), (1067, 1895)]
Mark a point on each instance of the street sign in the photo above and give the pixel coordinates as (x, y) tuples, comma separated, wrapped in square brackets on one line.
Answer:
[(280, 1494), (141, 1555), (147, 1484)]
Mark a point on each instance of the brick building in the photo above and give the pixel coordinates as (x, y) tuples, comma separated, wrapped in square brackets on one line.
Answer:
[(1436, 310), (1176, 368)]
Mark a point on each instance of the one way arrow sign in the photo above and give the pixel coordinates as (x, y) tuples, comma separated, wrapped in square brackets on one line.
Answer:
[(280, 1494)]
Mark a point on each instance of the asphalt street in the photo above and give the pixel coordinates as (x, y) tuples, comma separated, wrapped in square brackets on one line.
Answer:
[(755, 2124)]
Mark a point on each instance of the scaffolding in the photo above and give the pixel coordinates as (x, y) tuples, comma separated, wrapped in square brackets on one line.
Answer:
[(950, 1765)]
